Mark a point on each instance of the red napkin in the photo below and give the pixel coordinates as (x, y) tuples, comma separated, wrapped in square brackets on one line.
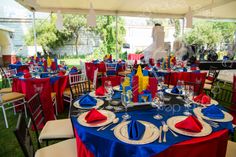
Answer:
[(147, 68), (27, 75), (190, 124), (100, 91), (94, 115), (202, 98), (61, 73), (193, 68)]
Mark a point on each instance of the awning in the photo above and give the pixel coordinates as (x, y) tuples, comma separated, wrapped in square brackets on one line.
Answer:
[(142, 8)]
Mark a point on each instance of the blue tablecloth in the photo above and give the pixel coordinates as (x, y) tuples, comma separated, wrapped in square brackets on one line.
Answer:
[(15, 66), (104, 143)]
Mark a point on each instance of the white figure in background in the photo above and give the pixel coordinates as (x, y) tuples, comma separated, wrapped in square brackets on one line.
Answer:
[(156, 49), (179, 49)]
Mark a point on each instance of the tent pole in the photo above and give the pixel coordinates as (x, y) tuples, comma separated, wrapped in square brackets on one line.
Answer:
[(34, 29), (116, 36), (183, 26)]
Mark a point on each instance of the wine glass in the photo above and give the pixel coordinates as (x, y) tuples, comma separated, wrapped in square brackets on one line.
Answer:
[(161, 81), (186, 101), (158, 103), (179, 86), (110, 92), (125, 102)]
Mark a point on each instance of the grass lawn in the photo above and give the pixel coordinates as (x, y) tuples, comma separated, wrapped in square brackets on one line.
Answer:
[(9, 146), (72, 62)]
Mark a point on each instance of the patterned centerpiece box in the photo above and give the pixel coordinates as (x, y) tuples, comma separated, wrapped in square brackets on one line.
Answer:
[(143, 88)]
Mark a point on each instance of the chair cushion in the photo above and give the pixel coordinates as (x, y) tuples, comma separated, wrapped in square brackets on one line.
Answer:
[(231, 149), (67, 92), (207, 86), (12, 96), (208, 81), (65, 148), (53, 94), (5, 90), (57, 129)]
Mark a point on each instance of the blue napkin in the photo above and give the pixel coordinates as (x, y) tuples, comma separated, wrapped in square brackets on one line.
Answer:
[(87, 101), (19, 63), (116, 95), (44, 75), (176, 90), (185, 69), (73, 71), (121, 87), (19, 74), (213, 112), (135, 130)]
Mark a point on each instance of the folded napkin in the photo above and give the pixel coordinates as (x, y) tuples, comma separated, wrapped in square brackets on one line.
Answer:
[(193, 68), (100, 91), (185, 69), (176, 90), (94, 115), (147, 68), (87, 101), (121, 87), (27, 75), (202, 98), (190, 124), (19, 63), (61, 73), (116, 95), (213, 112), (19, 74), (135, 130)]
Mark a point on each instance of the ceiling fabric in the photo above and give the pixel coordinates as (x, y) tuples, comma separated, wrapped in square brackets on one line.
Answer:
[(140, 8)]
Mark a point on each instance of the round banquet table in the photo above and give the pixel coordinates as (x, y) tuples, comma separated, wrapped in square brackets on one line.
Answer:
[(44, 86), (103, 143)]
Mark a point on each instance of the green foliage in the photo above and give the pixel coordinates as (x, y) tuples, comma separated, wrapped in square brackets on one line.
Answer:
[(123, 55), (47, 35), (210, 34), (106, 30)]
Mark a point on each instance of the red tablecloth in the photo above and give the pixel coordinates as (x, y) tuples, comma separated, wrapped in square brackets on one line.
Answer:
[(172, 78), (134, 56), (28, 87), (32, 86), (213, 145), (91, 67)]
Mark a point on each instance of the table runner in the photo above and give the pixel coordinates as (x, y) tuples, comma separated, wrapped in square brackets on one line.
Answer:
[(104, 143)]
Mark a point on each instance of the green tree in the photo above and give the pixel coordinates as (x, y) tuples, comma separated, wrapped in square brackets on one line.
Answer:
[(106, 29), (72, 25), (203, 34), (47, 35)]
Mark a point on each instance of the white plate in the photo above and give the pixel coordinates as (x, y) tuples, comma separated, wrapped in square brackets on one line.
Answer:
[(169, 92), (206, 128), (227, 116), (110, 117), (151, 133), (97, 96), (99, 103), (116, 88), (212, 102)]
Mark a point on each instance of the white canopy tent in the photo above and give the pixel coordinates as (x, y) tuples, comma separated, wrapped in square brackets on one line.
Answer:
[(148, 8), (216, 9)]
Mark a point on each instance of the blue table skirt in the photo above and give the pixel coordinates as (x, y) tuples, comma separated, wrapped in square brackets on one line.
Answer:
[(104, 143)]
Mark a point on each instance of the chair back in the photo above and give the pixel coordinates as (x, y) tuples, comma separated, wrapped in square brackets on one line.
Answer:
[(79, 85), (111, 68), (95, 79), (23, 137), (5, 81), (35, 111), (213, 73), (9, 75)]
